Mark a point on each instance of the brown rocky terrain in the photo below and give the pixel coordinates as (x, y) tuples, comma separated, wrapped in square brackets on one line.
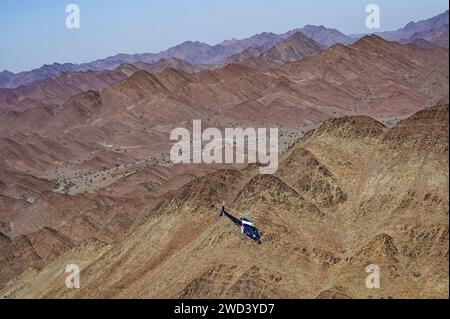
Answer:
[(108, 215), (85, 174), (10, 80), (350, 193), (75, 145), (56, 90)]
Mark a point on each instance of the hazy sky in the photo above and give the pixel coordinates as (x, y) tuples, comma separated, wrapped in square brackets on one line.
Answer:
[(33, 32)]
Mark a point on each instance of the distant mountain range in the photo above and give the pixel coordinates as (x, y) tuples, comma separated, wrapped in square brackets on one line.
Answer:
[(417, 27), (57, 89), (323, 35), (434, 38), (296, 47), (427, 33)]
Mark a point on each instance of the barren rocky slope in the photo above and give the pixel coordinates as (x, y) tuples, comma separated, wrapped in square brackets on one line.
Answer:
[(294, 48), (130, 121), (349, 194), (56, 90)]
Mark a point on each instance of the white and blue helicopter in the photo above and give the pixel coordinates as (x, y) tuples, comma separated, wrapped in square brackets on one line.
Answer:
[(245, 225)]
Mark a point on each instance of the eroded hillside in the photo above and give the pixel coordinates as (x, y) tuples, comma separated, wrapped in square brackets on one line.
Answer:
[(350, 193)]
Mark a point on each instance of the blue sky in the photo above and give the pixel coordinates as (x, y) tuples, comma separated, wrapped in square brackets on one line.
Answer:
[(33, 32)]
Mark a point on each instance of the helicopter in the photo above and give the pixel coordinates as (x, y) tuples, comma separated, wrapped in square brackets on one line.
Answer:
[(246, 227)]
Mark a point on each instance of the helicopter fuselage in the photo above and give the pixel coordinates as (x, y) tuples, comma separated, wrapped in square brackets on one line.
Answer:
[(247, 228), (250, 230)]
